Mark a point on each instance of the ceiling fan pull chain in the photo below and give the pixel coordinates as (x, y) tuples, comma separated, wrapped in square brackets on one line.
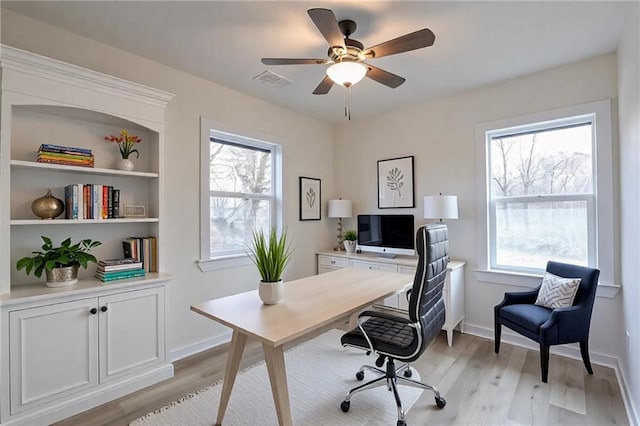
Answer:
[(345, 102), (349, 101)]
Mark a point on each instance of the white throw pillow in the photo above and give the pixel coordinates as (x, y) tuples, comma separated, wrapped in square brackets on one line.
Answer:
[(557, 292)]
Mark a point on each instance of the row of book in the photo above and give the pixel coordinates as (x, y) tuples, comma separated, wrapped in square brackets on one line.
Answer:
[(65, 155), (119, 269), (144, 249), (88, 201)]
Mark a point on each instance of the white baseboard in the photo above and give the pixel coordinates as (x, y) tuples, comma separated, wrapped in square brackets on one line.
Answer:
[(568, 351), (202, 345), (629, 405), (92, 398)]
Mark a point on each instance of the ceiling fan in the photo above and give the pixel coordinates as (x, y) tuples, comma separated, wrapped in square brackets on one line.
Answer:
[(348, 55)]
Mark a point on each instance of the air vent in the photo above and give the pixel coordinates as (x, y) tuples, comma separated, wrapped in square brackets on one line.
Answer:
[(272, 79)]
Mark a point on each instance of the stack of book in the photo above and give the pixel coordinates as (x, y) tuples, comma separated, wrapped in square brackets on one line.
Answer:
[(88, 201), (143, 248), (66, 155), (119, 269)]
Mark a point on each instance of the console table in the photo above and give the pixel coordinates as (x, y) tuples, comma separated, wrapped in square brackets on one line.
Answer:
[(452, 293)]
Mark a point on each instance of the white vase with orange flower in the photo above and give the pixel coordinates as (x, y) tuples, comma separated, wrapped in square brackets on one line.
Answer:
[(126, 143)]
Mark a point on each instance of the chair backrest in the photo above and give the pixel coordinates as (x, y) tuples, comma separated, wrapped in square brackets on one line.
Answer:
[(586, 293), (425, 302)]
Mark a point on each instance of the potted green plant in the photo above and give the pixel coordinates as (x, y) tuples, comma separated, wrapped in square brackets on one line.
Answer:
[(60, 263), (270, 255), (350, 239)]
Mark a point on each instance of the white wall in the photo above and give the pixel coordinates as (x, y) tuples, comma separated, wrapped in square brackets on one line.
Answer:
[(441, 136), (307, 151), (629, 122)]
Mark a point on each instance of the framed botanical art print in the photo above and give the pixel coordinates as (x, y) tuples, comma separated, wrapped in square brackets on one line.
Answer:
[(309, 198), (395, 183)]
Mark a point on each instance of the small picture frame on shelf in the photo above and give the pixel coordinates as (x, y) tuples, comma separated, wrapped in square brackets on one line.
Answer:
[(134, 212)]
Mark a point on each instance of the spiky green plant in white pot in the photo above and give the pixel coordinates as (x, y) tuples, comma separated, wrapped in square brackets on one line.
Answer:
[(271, 255)]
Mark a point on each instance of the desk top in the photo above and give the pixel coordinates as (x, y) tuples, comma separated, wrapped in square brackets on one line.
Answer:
[(309, 303)]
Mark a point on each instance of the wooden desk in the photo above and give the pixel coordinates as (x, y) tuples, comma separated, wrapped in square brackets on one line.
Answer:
[(309, 303)]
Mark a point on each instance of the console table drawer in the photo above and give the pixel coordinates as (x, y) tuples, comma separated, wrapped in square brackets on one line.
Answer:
[(372, 265), (333, 262)]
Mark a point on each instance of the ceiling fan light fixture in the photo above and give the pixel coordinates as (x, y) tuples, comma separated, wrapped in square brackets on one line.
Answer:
[(346, 73)]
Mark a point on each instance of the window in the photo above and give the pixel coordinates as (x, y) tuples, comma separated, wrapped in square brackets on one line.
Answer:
[(546, 192), (541, 194), (240, 178)]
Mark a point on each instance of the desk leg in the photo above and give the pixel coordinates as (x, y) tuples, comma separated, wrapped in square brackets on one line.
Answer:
[(238, 341), (274, 358)]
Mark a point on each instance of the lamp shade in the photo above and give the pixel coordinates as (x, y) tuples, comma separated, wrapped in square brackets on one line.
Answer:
[(340, 208), (441, 207), (346, 73)]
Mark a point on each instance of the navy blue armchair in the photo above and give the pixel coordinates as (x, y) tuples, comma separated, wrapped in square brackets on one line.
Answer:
[(551, 326)]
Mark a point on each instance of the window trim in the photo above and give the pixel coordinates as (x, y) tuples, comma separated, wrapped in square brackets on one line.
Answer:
[(604, 191), (211, 129)]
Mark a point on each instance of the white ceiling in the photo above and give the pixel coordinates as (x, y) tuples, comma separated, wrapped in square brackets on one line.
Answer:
[(477, 43)]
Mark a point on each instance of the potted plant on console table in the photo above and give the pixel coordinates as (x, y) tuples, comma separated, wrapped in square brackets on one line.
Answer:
[(271, 256), (60, 263), (350, 238)]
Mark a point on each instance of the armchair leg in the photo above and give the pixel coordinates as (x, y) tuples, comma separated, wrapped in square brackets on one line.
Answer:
[(497, 329), (584, 350), (544, 362)]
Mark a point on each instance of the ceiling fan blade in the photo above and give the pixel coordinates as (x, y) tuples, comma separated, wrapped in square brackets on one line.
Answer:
[(291, 61), (325, 85), (327, 24), (384, 77), (405, 43)]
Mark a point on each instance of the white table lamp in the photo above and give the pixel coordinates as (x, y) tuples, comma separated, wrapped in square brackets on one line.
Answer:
[(340, 208), (441, 207)]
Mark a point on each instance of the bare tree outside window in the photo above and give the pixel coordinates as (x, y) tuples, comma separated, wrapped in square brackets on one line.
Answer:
[(541, 187), (241, 194)]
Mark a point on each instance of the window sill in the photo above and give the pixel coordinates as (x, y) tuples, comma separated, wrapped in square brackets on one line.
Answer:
[(223, 262), (605, 290)]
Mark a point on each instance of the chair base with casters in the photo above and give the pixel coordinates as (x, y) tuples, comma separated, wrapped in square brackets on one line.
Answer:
[(403, 336), (548, 327), (391, 378)]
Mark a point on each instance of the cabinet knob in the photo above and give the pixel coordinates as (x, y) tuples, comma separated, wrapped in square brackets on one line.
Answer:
[(333, 262), (93, 311), (104, 309)]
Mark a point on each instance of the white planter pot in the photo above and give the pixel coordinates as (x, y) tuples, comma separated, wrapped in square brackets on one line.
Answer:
[(271, 293), (62, 277), (125, 164), (350, 246)]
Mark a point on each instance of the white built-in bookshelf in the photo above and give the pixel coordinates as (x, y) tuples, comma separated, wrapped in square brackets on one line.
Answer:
[(47, 101), (64, 350)]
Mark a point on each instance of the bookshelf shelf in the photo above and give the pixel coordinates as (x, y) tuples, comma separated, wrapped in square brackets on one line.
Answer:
[(73, 222), (35, 166)]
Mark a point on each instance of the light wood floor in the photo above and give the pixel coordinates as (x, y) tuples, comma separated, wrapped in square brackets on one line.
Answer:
[(481, 388)]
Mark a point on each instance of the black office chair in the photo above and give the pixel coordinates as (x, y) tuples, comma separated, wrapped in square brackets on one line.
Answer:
[(394, 336), (519, 312)]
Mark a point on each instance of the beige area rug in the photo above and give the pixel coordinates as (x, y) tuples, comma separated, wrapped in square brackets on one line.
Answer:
[(319, 373)]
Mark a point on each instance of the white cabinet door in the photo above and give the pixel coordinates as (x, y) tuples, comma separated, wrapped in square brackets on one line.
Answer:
[(53, 352), (131, 331)]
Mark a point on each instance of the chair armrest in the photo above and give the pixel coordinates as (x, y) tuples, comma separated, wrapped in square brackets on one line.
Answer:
[(519, 298), (563, 314), (385, 315), (391, 310), (566, 325)]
